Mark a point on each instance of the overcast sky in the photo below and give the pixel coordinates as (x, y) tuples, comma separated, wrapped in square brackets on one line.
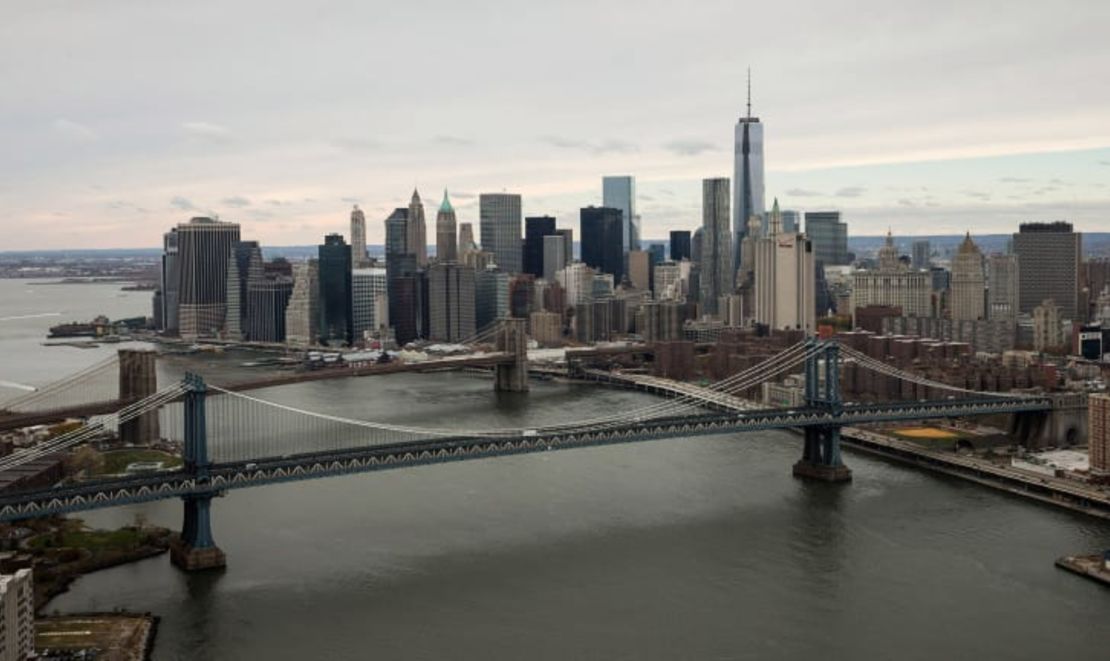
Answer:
[(120, 118)]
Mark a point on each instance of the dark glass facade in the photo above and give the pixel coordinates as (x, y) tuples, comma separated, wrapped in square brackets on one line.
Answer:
[(336, 316), (680, 245), (602, 240), (535, 228)]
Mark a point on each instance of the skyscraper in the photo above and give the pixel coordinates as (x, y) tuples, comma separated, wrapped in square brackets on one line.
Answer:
[(968, 300), (785, 281), (602, 248), (748, 176), (829, 237), (499, 225), (491, 298), (568, 236), (170, 281), (466, 238), (554, 255), (243, 267), (620, 193), (402, 279), (921, 254), (451, 290), (791, 221), (204, 246), (1003, 287), (416, 237), (396, 233), (369, 300), (1049, 256), (716, 251), (335, 291), (535, 229), (267, 303), (358, 237), (893, 284), (302, 314), (446, 233)]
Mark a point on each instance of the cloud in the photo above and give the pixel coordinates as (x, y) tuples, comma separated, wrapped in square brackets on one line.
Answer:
[(802, 192), (452, 140), (978, 195), (610, 146), (74, 131), (356, 144), (206, 131), (237, 201), (1015, 180), (851, 191), (1106, 163), (276, 203), (904, 202), (690, 147), (183, 203), (350, 200)]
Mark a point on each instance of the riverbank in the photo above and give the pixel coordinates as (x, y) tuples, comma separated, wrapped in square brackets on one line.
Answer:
[(122, 636), (1089, 566)]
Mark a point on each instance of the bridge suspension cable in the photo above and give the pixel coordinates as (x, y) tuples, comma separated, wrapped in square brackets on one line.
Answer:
[(889, 370), (94, 427), (98, 382)]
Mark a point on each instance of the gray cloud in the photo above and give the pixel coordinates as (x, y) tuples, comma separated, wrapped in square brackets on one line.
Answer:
[(276, 203), (1015, 180), (690, 147), (851, 191), (350, 200), (1106, 163), (356, 144), (206, 131), (905, 202), (452, 140), (74, 131), (611, 145), (978, 195), (802, 192), (237, 201), (183, 203)]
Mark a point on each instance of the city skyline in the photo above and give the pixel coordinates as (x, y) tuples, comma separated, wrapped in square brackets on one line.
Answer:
[(884, 142)]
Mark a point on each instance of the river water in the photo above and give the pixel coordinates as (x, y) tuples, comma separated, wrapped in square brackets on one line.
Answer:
[(700, 548)]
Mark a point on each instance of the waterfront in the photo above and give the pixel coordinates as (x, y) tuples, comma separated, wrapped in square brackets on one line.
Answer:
[(699, 548)]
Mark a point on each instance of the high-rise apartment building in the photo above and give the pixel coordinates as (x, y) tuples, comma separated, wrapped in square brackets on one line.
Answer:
[(1047, 334), (1002, 292), (922, 254), (204, 246), (535, 229), (369, 300), (620, 193), (358, 237), (17, 616), (785, 280), (601, 240), (680, 245), (639, 269), (568, 236), (748, 195), (447, 249), (416, 237), (302, 314), (554, 255), (829, 237), (451, 308), (499, 217), (717, 245), (335, 291), (577, 281), (1049, 256), (969, 283)]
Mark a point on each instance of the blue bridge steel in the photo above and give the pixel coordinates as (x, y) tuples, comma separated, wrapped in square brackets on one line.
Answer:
[(218, 457)]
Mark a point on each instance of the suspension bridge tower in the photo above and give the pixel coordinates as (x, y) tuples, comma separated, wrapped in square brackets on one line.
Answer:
[(512, 338), (138, 380), (195, 549), (821, 452)]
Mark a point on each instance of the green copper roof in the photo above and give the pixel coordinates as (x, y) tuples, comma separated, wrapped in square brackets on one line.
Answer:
[(446, 206)]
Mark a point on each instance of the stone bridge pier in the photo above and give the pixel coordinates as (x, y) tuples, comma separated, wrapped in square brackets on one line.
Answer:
[(513, 339), (1065, 425), (138, 379), (821, 452)]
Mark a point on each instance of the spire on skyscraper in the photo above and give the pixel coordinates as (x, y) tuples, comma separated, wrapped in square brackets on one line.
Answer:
[(445, 206), (749, 92)]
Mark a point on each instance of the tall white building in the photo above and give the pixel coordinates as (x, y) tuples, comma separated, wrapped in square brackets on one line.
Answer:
[(893, 284), (577, 281), (1002, 294), (358, 237), (716, 251), (785, 279), (17, 616), (303, 312), (499, 221), (620, 193), (554, 255), (747, 195)]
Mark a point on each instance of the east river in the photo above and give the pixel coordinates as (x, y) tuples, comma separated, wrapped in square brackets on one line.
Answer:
[(701, 548)]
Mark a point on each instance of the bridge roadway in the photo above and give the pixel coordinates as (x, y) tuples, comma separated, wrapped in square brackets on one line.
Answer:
[(269, 470)]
